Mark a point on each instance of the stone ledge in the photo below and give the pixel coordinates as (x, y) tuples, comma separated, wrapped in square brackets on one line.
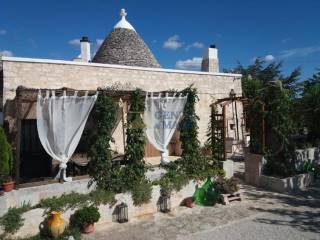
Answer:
[(286, 185), (63, 62)]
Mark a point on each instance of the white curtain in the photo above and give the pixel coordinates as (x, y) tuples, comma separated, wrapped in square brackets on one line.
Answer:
[(162, 116), (60, 123)]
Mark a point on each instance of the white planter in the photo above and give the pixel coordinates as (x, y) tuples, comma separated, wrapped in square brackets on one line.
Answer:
[(287, 185), (228, 168)]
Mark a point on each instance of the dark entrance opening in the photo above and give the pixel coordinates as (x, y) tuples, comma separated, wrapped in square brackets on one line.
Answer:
[(35, 162)]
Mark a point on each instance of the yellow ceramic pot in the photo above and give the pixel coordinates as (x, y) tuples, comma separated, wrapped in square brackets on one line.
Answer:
[(56, 224)]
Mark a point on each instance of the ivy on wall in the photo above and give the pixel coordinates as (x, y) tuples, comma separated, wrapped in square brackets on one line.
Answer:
[(101, 169)]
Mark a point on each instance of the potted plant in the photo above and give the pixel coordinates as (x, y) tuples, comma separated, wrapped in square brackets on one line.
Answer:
[(85, 218), (227, 186), (6, 159)]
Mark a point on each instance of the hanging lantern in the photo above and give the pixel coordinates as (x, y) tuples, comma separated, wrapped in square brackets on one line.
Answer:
[(232, 93), (164, 203), (122, 213)]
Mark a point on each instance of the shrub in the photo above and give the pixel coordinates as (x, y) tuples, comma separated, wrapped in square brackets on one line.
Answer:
[(6, 157), (141, 193), (65, 201), (12, 221), (227, 186), (83, 216)]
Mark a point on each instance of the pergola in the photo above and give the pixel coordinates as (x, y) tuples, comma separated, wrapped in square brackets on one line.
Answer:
[(26, 99)]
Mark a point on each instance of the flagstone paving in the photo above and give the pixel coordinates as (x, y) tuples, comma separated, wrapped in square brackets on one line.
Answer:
[(263, 215)]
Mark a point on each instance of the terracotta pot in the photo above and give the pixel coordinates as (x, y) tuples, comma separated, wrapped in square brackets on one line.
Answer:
[(190, 202), (56, 224), (8, 186), (88, 228)]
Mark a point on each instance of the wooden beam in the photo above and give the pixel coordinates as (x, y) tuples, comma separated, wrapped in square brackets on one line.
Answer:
[(18, 140)]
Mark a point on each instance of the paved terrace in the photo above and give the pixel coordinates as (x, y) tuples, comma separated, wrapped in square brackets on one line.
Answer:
[(264, 215)]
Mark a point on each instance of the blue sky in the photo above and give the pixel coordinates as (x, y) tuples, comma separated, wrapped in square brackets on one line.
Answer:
[(176, 31)]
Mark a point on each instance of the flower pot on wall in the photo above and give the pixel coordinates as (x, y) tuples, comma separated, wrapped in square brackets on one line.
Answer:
[(56, 224), (189, 202), (88, 228), (8, 186)]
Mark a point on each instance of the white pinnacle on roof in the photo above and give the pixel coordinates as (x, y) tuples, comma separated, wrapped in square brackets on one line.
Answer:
[(123, 23)]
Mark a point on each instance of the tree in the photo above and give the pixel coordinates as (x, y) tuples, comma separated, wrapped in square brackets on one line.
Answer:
[(315, 79), (311, 110)]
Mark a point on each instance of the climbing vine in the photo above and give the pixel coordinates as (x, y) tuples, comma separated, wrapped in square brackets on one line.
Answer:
[(101, 169)]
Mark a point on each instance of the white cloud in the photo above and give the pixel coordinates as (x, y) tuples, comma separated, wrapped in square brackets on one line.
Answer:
[(3, 32), (99, 41), (173, 43), (299, 52), (194, 45), (6, 53), (189, 64), (269, 58), (75, 42)]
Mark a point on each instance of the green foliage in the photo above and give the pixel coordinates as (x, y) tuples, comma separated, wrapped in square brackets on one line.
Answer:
[(73, 200), (133, 174), (6, 156), (309, 83), (12, 221), (279, 128), (189, 133), (100, 196), (141, 193), (311, 111), (174, 179), (65, 201), (101, 170), (134, 151), (83, 216)]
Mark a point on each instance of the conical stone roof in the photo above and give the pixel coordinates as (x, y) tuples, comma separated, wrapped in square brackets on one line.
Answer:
[(124, 46)]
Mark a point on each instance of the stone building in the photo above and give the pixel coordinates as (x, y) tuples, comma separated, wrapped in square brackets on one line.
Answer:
[(125, 62)]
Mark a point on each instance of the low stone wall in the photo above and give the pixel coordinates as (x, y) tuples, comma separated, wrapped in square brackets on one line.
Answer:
[(287, 185), (34, 217), (35, 194), (303, 155)]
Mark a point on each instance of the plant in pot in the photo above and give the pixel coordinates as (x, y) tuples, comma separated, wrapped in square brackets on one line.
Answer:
[(6, 162), (84, 218), (227, 186)]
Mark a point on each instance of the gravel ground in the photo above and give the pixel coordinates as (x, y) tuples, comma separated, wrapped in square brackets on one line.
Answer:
[(263, 215)]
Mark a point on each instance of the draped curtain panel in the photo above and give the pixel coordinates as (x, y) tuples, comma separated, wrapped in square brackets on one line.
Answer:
[(60, 123), (162, 116)]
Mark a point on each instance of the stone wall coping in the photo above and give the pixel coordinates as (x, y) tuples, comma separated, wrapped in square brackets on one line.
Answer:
[(64, 62)]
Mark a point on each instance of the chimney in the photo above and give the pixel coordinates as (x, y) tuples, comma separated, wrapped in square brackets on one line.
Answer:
[(85, 49), (210, 61)]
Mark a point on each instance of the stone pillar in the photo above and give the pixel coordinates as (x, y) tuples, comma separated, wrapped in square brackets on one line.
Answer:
[(253, 168), (85, 49)]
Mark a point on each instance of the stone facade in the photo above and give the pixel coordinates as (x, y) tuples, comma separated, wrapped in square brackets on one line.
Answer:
[(37, 73)]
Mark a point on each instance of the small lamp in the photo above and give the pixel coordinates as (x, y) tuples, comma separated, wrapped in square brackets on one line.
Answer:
[(165, 203), (232, 93), (122, 213)]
